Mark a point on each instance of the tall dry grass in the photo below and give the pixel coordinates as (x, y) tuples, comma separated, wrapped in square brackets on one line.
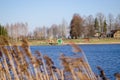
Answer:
[(18, 63)]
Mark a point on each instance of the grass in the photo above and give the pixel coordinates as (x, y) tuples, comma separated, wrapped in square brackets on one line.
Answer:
[(76, 41), (94, 41)]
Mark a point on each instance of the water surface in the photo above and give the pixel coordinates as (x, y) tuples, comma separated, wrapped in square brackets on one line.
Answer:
[(105, 55)]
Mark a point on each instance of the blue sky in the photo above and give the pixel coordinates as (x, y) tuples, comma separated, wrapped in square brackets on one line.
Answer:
[(38, 13)]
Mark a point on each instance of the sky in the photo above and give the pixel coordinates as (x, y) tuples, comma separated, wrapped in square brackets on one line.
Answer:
[(39, 13)]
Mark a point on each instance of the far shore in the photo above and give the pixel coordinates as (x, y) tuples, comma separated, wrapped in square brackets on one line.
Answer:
[(75, 41), (79, 41), (99, 43), (93, 43)]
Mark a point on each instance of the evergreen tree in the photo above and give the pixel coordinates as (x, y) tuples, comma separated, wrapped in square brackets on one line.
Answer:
[(3, 31), (105, 27), (96, 25)]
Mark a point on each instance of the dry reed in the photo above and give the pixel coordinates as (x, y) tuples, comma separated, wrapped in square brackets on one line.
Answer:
[(18, 63)]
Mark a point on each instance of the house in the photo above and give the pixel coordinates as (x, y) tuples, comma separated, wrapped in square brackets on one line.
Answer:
[(117, 34), (100, 35), (111, 34)]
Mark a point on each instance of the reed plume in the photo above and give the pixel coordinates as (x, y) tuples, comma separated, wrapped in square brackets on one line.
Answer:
[(19, 63)]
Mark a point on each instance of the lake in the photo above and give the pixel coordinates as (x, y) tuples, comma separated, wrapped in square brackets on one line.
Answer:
[(107, 56)]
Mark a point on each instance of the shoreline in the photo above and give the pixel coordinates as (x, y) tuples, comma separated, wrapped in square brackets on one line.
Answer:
[(93, 43), (75, 43), (68, 41), (80, 43)]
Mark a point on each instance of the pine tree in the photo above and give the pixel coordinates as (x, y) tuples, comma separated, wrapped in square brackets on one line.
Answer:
[(96, 25), (105, 27), (3, 31)]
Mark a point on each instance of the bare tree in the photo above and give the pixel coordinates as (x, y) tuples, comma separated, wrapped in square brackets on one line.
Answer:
[(117, 22), (37, 33), (24, 27), (110, 22), (49, 33), (44, 32), (63, 28), (30, 35), (55, 32), (40, 32), (17, 30), (89, 26)]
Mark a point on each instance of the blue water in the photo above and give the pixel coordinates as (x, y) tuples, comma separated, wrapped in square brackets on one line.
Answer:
[(106, 56)]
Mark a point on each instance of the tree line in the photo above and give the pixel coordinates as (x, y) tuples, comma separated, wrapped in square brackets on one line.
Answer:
[(87, 27), (17, 31), (55, 31), (79, 27)]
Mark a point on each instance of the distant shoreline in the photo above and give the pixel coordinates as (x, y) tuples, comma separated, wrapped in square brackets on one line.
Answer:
[(75, 41), (92, 43)]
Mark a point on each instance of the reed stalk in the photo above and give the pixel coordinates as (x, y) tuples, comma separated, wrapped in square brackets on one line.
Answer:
[(6, 68), (89, 70), (26, 66), (72, 71), (11, 62), (62, 75)]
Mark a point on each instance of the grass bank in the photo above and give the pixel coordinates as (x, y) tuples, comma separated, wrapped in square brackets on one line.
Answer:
[(94, 41), (76, 41)]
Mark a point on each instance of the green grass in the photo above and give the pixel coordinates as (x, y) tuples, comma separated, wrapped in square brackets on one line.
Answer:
[(93, 41), (77, 41)]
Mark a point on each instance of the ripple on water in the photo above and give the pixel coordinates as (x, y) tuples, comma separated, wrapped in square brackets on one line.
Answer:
[(105, 55)]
